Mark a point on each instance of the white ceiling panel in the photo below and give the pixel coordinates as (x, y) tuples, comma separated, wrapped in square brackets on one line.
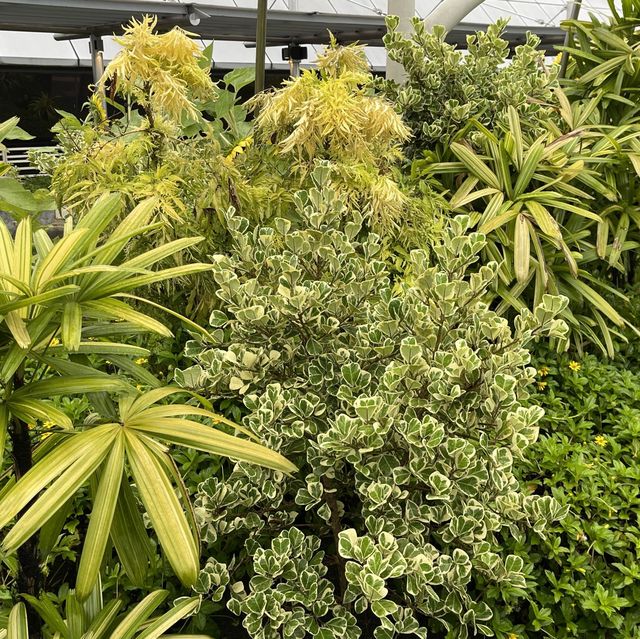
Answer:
[(40, 49)]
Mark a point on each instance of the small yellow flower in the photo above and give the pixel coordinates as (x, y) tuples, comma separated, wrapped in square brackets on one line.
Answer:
[(600, 440), (542, 385), (141, 361), (575, 366), (48, 424), (31, 426), (240, 147), (139, 387), (543, 372), (512, 635), (55, 341), (582, 570)]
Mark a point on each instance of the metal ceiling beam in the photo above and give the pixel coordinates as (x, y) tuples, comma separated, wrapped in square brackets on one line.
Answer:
[(106, 17)]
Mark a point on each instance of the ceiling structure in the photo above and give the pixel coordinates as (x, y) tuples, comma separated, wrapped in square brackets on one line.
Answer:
[(209, 21), (26, 26)]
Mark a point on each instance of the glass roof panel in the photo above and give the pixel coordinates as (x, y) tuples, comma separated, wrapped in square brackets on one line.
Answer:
[(521, 12), (42, 50)]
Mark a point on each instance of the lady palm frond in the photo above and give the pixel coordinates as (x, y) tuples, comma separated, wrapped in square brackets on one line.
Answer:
[(77, 291), (100, 620)]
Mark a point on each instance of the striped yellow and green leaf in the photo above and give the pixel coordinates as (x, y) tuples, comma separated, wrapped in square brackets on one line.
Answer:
[(536, 201)]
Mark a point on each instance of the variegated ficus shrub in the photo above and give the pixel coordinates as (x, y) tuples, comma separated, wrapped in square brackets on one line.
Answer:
[(446, 89), (403, 410)]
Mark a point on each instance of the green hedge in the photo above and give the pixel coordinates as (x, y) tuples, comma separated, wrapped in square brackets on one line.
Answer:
[(585, 572)]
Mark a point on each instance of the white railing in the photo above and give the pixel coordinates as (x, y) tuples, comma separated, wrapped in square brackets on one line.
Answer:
[(18, 157)]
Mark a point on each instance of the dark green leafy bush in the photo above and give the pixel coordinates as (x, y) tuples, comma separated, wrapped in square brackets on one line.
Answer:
[(403, 412), (586, 570)]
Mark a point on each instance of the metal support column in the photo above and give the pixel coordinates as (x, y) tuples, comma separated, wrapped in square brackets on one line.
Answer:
[(405, 10), (96, 47), (261, 44), (573, 11), (294, 64)]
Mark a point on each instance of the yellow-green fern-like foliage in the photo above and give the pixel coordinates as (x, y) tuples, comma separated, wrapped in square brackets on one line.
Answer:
[(155, 141), (168, 134), (160, 72), (332, 115)]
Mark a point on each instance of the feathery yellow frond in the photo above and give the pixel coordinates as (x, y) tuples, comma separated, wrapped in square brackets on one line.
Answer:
[(159, 71), (332, 115)]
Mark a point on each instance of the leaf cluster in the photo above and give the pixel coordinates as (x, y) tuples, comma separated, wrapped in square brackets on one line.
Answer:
[(537, 201), (14, 197), (445, 88), (602, 86), (158, 71), (585, 572), (403, 411), (333, 115), (93, 619), (169, 135), (550, 175)]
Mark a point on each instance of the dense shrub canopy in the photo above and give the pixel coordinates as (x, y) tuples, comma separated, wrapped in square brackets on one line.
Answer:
[(445, 90), (548, 176), (378, 347), (403, 412)]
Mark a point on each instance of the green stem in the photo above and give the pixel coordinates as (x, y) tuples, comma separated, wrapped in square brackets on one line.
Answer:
[(30, 579), (336, 527)]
